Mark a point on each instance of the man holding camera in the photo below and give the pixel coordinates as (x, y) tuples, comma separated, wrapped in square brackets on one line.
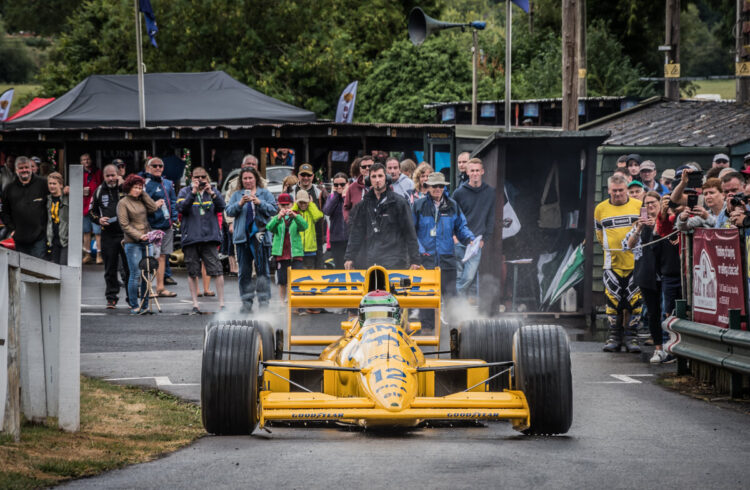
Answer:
[(198, 204)]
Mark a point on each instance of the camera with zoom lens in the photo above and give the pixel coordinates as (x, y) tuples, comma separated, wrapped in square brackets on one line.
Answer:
[(202, 185), (739, 199)]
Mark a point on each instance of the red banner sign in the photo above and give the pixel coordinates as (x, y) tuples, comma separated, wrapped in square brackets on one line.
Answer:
[(717, 275)]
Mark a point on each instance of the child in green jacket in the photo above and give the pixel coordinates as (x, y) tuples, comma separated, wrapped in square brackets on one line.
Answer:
[(310, 212), (286, 248)]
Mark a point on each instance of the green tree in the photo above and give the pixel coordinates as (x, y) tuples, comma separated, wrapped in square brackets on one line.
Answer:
[(406, 77), (303, 52), (610, 71), (16, 65), (43, 17)]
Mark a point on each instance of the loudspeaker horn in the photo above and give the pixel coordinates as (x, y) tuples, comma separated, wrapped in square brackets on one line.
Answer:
[(421, 25)]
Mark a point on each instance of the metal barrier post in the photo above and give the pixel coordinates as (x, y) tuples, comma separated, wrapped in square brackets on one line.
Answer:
[(735, 381), (680, 309)]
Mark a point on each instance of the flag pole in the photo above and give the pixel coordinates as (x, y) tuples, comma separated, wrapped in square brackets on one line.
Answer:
[(508, 23), (139, 56)]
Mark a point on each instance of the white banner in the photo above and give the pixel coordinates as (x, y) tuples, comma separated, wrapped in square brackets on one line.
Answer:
[(5, 100)]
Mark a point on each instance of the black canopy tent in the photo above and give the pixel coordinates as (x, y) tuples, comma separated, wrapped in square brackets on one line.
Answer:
[(172, 99)]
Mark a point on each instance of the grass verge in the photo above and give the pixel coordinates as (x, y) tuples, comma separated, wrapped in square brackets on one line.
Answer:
[(119, 426)]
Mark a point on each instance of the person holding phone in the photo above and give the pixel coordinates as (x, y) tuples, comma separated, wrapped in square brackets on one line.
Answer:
[(252, 207), (642, 240), (287, 250), (697, 216)]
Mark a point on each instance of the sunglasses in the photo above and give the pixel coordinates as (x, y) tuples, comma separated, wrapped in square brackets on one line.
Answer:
[(365, 167), (157, 166), (339, 184), (438, 186), (202, 177)]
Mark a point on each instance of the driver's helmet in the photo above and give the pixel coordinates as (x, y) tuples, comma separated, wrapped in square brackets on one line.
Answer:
[(379, 304)]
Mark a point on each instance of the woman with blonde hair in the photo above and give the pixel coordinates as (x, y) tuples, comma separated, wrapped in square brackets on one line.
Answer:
[(423, 171), (287, 185), (57, 219)]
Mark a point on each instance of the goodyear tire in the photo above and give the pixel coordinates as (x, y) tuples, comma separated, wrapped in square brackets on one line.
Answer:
[(542, 363), (267, 334), (229, 379), (491, 341)]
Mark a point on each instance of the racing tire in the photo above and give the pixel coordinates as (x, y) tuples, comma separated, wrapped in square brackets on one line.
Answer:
[(267, 334), (542, 363), (230, 381), (491, 341)]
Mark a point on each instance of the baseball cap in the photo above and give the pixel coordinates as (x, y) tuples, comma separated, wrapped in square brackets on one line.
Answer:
[(746, 157), (632, 184), (648, 165), (721, 156), (305, 168), (119, 162), (668, 174), (37, 160), (284, 198), (634, 156), (303, 196)]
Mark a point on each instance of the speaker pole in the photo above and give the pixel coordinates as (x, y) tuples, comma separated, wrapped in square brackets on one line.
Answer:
[(474, 63)]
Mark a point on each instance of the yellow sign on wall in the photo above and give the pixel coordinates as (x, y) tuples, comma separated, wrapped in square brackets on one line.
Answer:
[(742, 69), (672, 70), (582, 73)]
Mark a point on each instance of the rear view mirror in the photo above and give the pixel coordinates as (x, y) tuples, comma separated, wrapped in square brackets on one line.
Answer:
[(347, 325), (415, 326)]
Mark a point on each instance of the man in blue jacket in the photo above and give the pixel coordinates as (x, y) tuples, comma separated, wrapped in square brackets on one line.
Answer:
[(437, 219), (161, 190), (199, 203)]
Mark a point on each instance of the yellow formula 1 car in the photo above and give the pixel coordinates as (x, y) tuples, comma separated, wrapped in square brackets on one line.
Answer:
[(376, 373)]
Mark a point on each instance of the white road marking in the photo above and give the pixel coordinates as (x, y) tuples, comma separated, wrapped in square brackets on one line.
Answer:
[(93, 314), (161, 381), (623, 379)]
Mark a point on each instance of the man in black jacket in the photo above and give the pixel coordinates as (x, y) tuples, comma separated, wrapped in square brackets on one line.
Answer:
[(24, 210), (103, 211), (382, 226)]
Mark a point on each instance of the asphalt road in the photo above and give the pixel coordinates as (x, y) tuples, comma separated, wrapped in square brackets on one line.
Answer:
[(628, 431)]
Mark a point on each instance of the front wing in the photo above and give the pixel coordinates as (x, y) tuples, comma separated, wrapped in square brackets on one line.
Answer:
[(299, 406)]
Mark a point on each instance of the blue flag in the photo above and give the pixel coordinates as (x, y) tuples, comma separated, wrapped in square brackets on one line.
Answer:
[(148, 13), (523, 5)]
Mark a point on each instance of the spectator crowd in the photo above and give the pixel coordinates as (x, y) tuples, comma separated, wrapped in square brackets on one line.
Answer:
[(389, 212), (638, 228), (398, 214)]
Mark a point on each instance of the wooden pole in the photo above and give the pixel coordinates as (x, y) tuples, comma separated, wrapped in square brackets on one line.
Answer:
[(742, 39), (672, 86), (508, 41), (581, 43), (12, 420), (569, 65)]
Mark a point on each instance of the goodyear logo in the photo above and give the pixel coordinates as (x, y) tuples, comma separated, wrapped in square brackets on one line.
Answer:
[(472, 415), (317, 415)]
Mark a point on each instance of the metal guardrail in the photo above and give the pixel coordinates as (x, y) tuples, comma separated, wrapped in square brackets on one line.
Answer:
[(727, 349)]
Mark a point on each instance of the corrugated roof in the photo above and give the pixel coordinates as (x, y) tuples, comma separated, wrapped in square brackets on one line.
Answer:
[(683, 123)]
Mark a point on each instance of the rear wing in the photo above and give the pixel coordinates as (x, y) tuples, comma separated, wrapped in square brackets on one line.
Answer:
[(345, 288)]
